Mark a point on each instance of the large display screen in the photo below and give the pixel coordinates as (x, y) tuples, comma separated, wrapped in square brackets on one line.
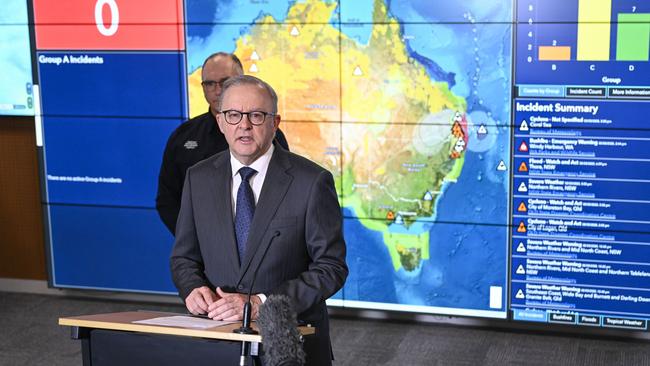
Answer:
[(16, 93), (488, 156)]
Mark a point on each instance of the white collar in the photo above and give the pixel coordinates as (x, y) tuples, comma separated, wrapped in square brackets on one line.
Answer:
[(260, 165)]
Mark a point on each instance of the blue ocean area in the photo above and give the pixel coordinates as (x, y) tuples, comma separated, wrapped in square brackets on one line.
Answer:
[(433, 69), (455, 276), (371, 275), (356, 11), (215, 25), (355, 16), (418, 11)]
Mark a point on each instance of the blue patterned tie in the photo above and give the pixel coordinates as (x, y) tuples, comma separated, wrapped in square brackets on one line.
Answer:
[(245, 210)]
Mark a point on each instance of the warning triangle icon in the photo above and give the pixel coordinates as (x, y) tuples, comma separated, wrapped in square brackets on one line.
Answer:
[(523, 167), (521, 270), (522, 207), (522, 187), (502, 166), (523, 147), (523, 126), (521, 228), (521, 248), (520, 295)]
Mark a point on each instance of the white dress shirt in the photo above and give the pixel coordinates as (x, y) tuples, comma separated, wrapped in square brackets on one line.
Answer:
[(261, 165)]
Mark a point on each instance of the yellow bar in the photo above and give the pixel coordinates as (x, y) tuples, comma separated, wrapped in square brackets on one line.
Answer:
[(554, 53), (594, 28)]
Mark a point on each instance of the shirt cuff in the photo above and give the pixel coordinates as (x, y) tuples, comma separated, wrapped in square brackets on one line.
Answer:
[(262, 297)]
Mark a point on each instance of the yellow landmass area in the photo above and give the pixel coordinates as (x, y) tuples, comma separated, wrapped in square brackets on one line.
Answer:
[(197, 102)]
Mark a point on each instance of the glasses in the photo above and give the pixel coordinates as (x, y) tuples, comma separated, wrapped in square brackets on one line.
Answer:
[(211, 84), (233, 117)]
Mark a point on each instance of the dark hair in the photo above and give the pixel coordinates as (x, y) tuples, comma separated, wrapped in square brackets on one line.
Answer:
[(235, 60), (249, 80)]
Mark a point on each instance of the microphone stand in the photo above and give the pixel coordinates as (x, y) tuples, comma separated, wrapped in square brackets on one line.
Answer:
[(248, 308)]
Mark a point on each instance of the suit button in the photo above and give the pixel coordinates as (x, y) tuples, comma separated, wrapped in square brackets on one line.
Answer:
[(240, 287)]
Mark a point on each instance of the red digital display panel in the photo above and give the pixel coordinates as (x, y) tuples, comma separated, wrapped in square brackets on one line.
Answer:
[(109, 25)]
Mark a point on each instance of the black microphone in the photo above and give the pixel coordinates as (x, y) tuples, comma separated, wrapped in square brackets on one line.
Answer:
[(246, 321), (281, 340)]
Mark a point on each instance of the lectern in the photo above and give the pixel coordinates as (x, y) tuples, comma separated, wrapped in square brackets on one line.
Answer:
[(114, 339)]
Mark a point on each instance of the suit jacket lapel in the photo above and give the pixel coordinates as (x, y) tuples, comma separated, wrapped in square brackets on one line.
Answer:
[(276, 185), (223, 220)]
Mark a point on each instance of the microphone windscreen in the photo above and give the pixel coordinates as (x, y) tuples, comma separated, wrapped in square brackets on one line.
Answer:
[(281, 340)]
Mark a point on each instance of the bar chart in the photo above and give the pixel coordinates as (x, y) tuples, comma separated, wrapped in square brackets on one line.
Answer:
[(583, 42)]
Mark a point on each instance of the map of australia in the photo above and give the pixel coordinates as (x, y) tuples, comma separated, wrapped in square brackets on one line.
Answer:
[(358, 99)]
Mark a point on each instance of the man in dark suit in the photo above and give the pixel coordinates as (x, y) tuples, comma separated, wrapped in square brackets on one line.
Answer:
[(252, 199)]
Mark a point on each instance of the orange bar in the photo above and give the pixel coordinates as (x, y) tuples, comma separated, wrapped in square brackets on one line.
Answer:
[(554, 53)]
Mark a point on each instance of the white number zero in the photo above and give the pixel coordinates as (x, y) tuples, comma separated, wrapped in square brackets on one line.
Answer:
[(99, 20)]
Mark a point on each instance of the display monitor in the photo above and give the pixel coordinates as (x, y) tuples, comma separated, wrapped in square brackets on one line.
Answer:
[(489, 157)]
